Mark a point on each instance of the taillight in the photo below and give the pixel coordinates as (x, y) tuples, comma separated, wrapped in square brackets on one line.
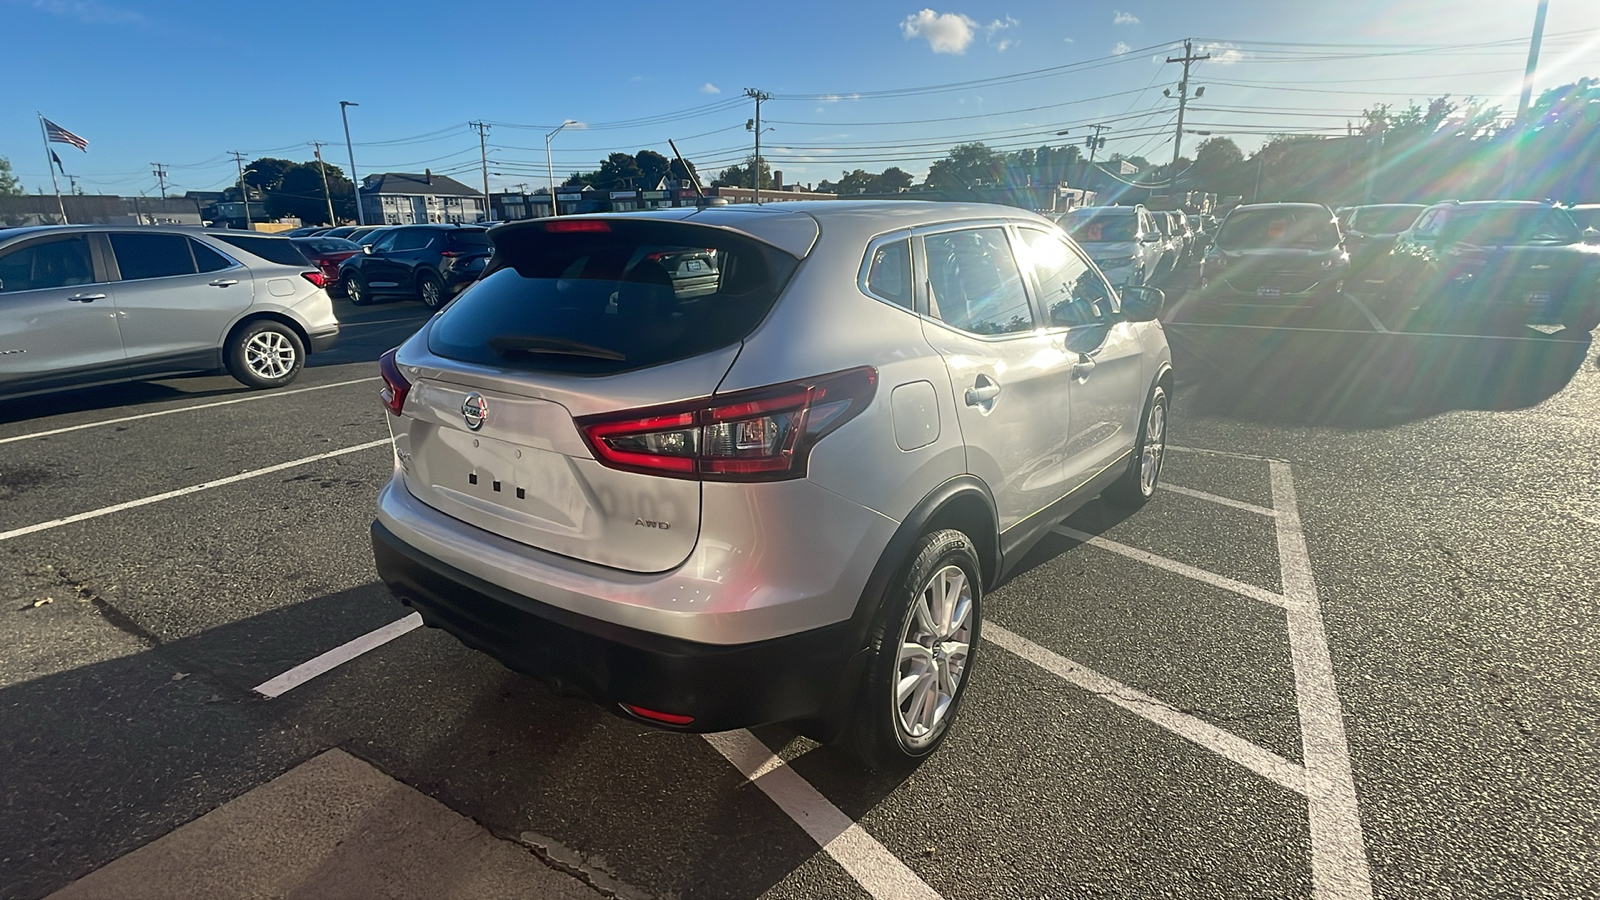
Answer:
[(395, 385), (764, 434), (568, 226), (316, 277), (449, 254)]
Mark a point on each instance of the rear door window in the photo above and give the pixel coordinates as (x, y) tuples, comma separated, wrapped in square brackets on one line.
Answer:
[(207, 259), (151, 255), (412, 239), (975, 284), (60, 262), (595, 302)]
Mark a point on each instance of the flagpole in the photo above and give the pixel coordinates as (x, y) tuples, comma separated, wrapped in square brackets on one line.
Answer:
[(49, 163)]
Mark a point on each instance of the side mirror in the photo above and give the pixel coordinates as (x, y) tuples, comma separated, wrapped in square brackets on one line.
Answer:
[(1143, 304), (366, 249)]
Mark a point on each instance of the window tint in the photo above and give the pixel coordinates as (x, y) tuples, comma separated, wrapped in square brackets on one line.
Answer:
[(1070, 293), (46, 264), (151, 255), (412, 239), (207, 259), (976, 286), (471, 239), (384, 242), (594, 303), (889, 273), (272, 249)]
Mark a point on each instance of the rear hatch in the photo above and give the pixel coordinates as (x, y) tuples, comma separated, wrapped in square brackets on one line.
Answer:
[(466, 252), (578, 318)]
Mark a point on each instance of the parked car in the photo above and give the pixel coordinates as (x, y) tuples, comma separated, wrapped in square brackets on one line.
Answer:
[(366, 234), (782, 500), (343, 231), (1275, 254), (1201, 235), (1124, 241), (307, 231), (1522, 261), (326, 254), (431, 263), (1587, 217), (94, 304), (1175, 237), (1370, 231)]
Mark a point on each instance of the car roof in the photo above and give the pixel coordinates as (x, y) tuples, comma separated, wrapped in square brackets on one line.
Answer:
[(1307, 207), (1390, 206), (1487, 204), (7, 233), (1105, 210), (794, 226)]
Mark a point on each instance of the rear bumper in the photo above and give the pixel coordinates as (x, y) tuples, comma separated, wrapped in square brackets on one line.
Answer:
[(801, 676), (324, 340), (1224, 294)]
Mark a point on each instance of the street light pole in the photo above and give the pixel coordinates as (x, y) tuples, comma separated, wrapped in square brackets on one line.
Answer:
[(550, 168), (344, 106)]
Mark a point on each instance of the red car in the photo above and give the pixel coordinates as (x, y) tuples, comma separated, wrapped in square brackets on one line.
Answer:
[(326, 254)]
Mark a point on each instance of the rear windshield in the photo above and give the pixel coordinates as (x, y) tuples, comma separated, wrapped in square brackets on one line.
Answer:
[(1092, 228), (1309, 229), (1513, 225), (272, 249), (1385, 219), (328, 245), (595, 303), (471, 239)]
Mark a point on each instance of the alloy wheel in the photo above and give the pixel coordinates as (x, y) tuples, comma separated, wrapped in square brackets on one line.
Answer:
[(1155, 438), (269, 354), (934, 647)]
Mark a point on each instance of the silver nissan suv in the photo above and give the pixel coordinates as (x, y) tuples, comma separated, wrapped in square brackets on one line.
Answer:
[(723, 467)]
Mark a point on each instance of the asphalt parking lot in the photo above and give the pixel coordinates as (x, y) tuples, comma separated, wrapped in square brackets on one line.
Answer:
[(1352, 649)]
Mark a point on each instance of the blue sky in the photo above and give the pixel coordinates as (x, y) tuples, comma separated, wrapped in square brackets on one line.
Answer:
[(183, 82)]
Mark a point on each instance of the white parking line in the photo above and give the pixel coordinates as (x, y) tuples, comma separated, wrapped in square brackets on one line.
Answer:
[(1374, 321), (311, 668), (1224, 743), (1413, 334), (417, 322), (168, 412), (1220, 501), (1338, 849), (1172, 565), (1228, 453), (871, 864), (180, 492)]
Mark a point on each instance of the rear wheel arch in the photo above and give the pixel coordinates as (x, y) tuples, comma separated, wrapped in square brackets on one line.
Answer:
[(252, 318)]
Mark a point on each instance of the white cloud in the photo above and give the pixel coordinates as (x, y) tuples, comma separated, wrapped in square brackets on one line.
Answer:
[(90, 11), (1121, 48), (1003, 44), (1067, 40), (709, 88), (1124, 18), (1223, 53), (944, 32)]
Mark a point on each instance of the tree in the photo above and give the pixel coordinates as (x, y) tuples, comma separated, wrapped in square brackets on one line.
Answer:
[(266, 173), (9, 185), (1216, 155), (653, 168), (893, 180), (967, 166), (300, 195), (739, 176)]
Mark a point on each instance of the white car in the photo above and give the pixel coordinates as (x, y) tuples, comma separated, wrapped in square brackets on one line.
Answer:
[(1124, 241)]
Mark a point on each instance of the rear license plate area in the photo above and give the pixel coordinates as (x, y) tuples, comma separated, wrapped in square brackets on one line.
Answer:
[(1269, 293)]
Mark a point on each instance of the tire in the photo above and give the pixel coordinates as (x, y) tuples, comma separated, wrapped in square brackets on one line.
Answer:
[(430, 290), (265, 354), (893, 730), (1138, 484), (355, 288)]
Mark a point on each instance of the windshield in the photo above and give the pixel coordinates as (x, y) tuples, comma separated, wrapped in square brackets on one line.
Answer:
[(1384, 219), (1586, 217), (1250, 229), (1088, 227), (1513, 225), (638, 294)]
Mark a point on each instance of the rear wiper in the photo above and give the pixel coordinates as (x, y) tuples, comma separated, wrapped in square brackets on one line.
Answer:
[(505, 344)]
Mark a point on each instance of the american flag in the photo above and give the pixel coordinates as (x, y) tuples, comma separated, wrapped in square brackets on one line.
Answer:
[(58, 135)]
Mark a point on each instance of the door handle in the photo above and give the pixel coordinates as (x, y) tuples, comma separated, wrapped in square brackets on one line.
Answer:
[(983, 391), (86, 298), (224, 282), (1083, 366)]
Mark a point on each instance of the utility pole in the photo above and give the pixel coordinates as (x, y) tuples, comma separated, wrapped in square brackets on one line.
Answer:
[(160, 171), (244, 192), (1183, 102), (1096, 142), (344, 112), (1533, 62), (755, 168), (316, 148), (483, 153)]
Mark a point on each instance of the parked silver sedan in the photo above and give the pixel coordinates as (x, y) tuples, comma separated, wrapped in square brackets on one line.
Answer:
[(776, 491), (92, 304)]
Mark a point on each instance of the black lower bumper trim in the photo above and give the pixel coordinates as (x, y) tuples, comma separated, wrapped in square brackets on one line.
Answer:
[(321, 342), (799, 677)]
